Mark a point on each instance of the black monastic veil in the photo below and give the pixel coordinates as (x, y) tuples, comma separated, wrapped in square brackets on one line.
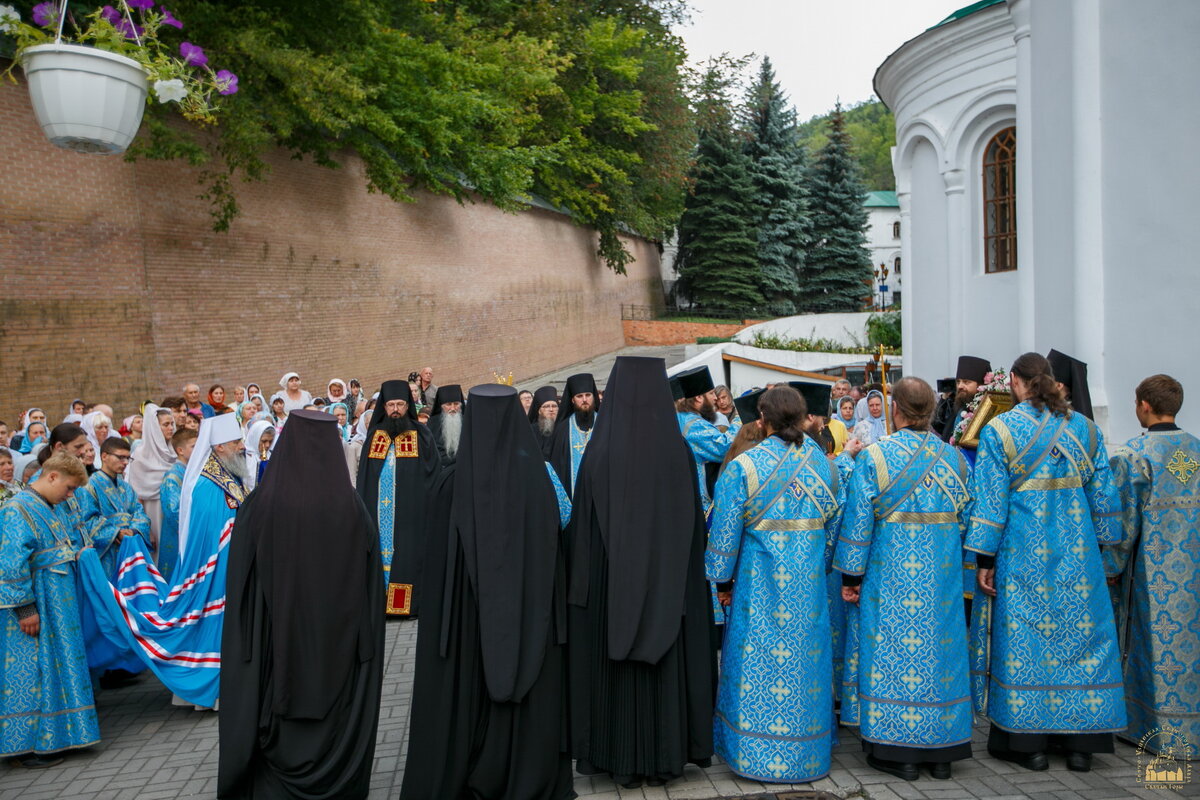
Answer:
[(302, 647), (489, 707)]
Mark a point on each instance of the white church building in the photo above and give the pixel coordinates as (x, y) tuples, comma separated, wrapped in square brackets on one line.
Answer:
[(1046, 160), (883, 240)]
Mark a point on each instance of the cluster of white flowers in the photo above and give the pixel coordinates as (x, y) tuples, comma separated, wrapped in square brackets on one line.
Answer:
[(8, 18), (171, 91)]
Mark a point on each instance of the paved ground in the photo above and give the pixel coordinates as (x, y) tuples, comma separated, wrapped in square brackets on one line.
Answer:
[(153, 751), (600, 366)]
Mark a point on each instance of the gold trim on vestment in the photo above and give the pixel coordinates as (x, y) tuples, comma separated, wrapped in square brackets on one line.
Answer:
[(790, 525), (923, 517), (1050, 484)]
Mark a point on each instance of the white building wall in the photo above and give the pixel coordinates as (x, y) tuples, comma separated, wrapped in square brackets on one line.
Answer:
[(885, 248), (1103, 98)]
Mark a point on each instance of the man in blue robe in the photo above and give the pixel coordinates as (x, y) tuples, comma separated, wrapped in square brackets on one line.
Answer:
[(573, 430), (773, 525), (696, 410), (1045, 663), (1157, 569), (110, 507), (170, 493), (898, 552), (46, 703)]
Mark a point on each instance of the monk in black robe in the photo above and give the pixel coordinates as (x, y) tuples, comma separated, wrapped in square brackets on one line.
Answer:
[(968, 377), (398, 445), (577, 412), (489, 695), (445, 421), (1072, 376), (543, 415), (302, 648), (642, 659)]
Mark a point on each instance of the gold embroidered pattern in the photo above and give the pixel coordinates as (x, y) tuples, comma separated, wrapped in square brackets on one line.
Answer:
[(1050, 484), (1182, 466), (379, 445), (790, 525), (235, 493), (406, 445), (923, 517)]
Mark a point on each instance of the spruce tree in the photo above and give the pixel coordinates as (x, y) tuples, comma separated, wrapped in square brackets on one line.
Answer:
[(837, 273), (780, 194), (718, 239)]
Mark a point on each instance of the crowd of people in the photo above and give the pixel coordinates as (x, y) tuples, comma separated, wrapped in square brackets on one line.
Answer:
[(621, 581)]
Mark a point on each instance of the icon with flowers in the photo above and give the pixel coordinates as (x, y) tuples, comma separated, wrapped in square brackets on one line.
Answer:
[(995, 382), (139, 30)]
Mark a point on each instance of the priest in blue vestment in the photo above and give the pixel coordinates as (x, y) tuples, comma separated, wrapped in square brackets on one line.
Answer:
[(573, 430), (1045, 666), (774, 520), (175, 628), (696, 410), (1156, 569), (898, 553), (46, 702)]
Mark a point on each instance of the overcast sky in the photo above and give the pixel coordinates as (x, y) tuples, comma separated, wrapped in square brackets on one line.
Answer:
[(821, 49)]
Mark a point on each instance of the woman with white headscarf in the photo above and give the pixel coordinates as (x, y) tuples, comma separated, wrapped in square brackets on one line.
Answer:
[(873, 427), (20, 436), (259, 439), (148, 466), (294, 398), (97, 427)]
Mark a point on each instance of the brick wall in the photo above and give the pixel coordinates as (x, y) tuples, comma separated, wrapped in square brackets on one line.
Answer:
[(114, 287), (661, 332)]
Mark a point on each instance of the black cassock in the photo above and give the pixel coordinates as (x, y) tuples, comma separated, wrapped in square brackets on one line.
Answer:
[(489, 717), (302, 648), (415, 477), (642, 660)]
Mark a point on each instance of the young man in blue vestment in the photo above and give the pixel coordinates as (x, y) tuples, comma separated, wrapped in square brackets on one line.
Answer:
[(898, 552), (46, 703), (109, 506), (1156, 568), (1045, 666), (773, 525)]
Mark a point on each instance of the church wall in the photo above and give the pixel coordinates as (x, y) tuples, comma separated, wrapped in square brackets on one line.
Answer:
[(1149, 166), (113, 285)]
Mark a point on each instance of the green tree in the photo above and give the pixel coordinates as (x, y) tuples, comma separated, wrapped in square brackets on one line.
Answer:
[(780, 197), (718, 237), (581, 102), (838, 268), (872, 131)]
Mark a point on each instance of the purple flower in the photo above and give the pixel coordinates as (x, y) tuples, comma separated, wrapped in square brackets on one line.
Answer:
[(144, 5), (170, 20), (45, 14), (111, 14), (226, 82), (128, 30), (193, 54)]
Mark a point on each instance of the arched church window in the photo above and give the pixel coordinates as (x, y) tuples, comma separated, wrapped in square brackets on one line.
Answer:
[(897, 261), (895, 230), (1000, 202)]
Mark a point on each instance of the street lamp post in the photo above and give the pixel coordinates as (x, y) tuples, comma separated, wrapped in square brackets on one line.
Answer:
[(881, 273)]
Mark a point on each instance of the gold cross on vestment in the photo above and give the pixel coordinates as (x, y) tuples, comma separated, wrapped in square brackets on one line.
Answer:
[(1182, 466), (1093, 701)]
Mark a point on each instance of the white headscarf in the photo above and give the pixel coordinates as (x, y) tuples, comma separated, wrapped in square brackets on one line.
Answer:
[(361, 427), (89, 427), (213, 431), (286, 377), (253, 434), (76, 418), (150, 463), (28, 414)]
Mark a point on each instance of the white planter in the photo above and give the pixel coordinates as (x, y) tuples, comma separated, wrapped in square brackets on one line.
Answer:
[(85, 99)]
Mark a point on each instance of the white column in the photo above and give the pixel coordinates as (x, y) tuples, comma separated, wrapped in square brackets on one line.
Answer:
[(906, 263), (957, 259), (1088, 210), (1021, 11)]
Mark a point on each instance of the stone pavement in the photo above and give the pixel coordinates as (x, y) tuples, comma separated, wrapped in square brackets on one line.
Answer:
[(154, 751)]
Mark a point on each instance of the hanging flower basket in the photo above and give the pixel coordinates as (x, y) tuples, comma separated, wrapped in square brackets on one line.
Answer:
[(86, 99), (89, 93)]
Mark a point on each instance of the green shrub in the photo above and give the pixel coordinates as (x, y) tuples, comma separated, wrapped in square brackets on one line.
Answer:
[(884, 329)]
